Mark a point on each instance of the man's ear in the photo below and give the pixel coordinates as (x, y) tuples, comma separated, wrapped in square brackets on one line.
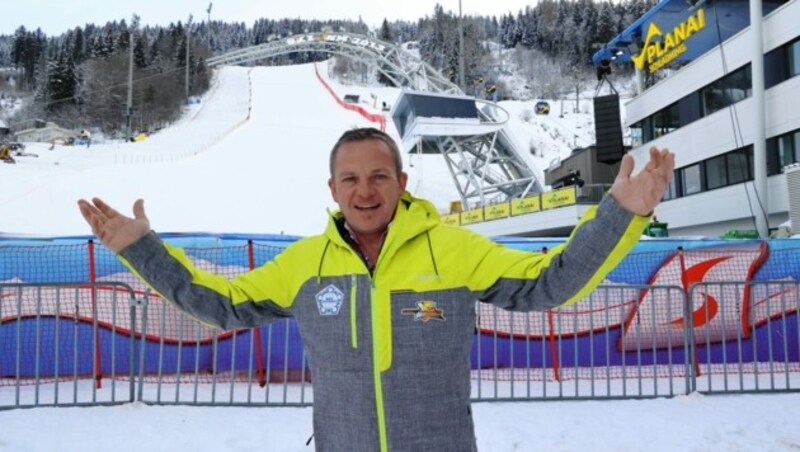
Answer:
[(403, 179), (332, 186)]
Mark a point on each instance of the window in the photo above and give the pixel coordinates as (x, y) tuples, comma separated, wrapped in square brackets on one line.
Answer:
[(716, 172), (739, 165), (672, 188), (797, 142), (689, 108), (666, 120), (690, 176), (641, 132), (728, 90), (786, 150), (738, 85), (794, 58)]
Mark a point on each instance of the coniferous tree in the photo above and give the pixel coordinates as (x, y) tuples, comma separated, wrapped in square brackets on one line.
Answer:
[(385, 34), (62, 82)]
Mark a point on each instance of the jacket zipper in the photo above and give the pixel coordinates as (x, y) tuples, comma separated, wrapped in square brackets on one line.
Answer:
[(353, 311), (376, 373)]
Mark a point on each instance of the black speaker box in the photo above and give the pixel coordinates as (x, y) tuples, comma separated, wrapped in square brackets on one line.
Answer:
[(608, 129)]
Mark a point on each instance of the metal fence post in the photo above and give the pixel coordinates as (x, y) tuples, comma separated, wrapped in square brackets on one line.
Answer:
[(145, 303)]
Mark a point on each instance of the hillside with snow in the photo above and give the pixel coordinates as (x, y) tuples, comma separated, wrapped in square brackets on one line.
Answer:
[(251, 157)]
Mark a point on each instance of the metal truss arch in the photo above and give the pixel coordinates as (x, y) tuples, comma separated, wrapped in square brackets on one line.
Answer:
[(401, 67), (484, 161)]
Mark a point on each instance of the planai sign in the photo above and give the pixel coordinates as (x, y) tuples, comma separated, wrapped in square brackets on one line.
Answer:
[(660, 49)]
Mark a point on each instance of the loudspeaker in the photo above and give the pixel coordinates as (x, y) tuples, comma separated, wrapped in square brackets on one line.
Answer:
[(608, 129)]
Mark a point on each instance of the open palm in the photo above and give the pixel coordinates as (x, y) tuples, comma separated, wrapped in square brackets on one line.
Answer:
[(641, 193), (115, 231)]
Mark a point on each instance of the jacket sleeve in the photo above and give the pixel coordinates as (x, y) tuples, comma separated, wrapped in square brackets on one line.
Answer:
[(524, 281), (248, 300)]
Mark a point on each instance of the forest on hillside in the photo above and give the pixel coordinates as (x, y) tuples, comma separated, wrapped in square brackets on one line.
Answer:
[(79, 79)]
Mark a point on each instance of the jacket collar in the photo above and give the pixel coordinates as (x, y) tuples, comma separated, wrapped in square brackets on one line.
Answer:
[(412, 217)]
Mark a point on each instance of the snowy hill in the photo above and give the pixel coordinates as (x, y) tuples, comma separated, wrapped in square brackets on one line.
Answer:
[(250, 158)]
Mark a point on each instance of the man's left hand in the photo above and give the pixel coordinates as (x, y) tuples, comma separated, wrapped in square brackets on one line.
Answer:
[(641, 193)]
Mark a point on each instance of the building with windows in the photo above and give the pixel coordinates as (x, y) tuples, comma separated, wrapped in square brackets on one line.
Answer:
[(695, 96)]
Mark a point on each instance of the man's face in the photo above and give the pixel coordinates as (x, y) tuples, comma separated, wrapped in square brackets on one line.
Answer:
[(366, 185)]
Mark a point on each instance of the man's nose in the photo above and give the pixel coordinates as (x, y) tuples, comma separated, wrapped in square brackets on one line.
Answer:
[(364, 187)]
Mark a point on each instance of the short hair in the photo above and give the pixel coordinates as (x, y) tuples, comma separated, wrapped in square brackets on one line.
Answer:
[(367, 133)]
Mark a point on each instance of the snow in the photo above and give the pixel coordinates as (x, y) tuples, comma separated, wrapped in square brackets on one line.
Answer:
[(686, 423), (217, 171)]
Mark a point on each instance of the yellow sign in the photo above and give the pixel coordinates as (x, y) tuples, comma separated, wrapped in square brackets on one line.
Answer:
[(472, 216), (496, 211), (525, 205), (558, 198), (450, 220), (660, 49)]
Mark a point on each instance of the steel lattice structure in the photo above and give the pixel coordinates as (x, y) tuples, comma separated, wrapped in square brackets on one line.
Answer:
[(485, 165)]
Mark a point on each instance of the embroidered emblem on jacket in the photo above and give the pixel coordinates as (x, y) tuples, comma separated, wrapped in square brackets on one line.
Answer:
[(329, 300), (425, 310)]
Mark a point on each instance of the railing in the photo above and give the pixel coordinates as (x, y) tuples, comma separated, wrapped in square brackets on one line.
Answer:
[(100, 344), (563, 197), (59, 343)]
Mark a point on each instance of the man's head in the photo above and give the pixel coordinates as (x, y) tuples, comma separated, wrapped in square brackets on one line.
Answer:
[(366, 179), (367, 133)]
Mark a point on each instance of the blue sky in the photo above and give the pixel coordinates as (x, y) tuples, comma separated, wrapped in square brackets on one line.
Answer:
[(55, 17)]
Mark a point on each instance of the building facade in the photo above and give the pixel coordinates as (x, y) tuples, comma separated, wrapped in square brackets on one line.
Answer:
[(703, 109)]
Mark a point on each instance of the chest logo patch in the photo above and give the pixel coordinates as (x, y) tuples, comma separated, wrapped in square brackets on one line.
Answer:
[(425, 310), (329, 300)]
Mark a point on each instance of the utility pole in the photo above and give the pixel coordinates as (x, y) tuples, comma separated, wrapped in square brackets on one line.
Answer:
[(461, 49), (759, 133), (188, 43), (208, 10), (129, 109)]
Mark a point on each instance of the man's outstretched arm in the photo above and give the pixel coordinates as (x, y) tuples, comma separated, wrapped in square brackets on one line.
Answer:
[(248, 300)]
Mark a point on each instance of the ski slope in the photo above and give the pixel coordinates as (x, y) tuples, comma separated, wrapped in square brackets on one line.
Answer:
[(251, 157)]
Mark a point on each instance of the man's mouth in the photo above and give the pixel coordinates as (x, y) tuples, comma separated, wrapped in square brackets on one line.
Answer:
[(367, 207)]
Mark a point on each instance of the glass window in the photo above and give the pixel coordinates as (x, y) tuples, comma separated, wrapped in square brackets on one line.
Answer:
[(738, 85), (713, 98), (691, 179), (641, 132), (666, 120), (786, 150), (672, 189), (637, 134), (689, 108), (728, 90), (794, 59), (796, 144), (716, 173), (739, 168)]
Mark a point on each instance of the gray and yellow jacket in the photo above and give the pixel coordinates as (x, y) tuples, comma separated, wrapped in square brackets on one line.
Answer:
[(390, 351)]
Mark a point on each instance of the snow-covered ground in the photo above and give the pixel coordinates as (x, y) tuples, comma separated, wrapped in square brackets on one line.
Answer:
[(686, 423), (218, 171)]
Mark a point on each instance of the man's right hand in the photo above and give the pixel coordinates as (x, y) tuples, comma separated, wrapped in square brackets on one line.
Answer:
[(115, 231)]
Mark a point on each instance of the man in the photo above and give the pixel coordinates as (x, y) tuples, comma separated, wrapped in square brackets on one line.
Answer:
[(384, 298)]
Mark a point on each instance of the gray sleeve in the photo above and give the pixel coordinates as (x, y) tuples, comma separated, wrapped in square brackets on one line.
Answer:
[(174, 281), (594, 249)]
